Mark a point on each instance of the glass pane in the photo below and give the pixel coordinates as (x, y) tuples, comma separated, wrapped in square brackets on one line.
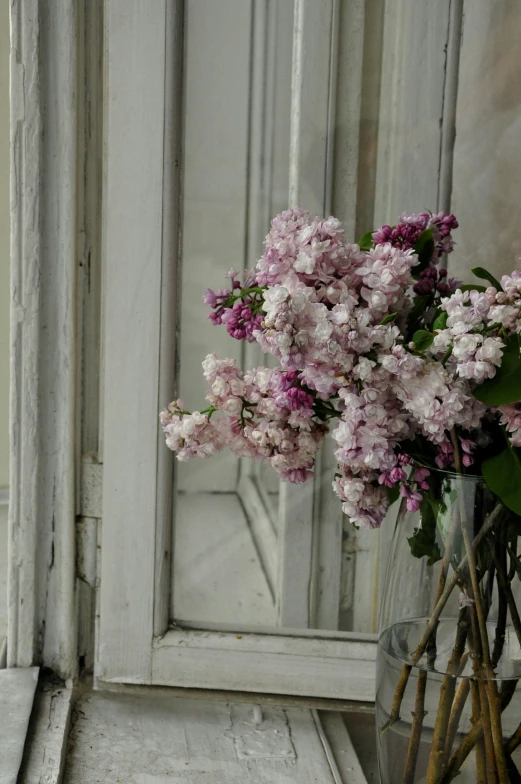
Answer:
[(408, 128), (235, 177)]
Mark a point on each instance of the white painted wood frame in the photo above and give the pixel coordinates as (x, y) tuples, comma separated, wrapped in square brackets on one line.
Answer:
[(141, 113), (41, 596), (133, 647)]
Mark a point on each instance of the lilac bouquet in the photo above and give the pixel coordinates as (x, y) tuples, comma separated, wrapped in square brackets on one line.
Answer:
[(418, 379), (406, 368)]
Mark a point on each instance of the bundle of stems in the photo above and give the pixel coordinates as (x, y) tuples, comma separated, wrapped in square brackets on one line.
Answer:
[(478, 582)]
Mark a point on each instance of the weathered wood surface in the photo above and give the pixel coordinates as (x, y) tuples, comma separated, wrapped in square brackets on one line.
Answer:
[(151, 740), (133, 217), (17, 688), (317, 667), (47, 737), (43, 333)]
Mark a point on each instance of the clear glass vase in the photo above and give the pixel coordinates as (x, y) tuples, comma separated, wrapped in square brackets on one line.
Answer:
[(449, 657)]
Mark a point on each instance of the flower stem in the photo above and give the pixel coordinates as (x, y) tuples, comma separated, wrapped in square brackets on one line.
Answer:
[(481, 769), (472, 737), (487, 689), (456, 713), (505, 587), (433, 620), (437, 755), (513, 742), (417, 724)]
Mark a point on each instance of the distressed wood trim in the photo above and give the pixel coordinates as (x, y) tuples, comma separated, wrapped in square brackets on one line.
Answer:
[(339, 748), (41, 625), (450, 100), (170, 272), (46, 746), (139, 243), (278, 664)]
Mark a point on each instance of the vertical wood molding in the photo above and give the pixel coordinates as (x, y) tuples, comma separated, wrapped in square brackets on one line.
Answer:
[(313, 96), (312, 103), (450, 101), (139, 242), (170, 273), (41, 626)]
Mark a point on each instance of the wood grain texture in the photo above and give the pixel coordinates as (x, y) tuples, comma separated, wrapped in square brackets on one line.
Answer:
[(43, 334), (133, 251), (348, 768), (48, 734), (151, 740), (316, 667), (17, 688)]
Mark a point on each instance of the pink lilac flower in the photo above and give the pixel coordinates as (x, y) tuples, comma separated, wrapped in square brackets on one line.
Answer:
[(407, 232), (190, 435), (468, 447), (314, 250), (434, 281), (475, 353), (386, 278), (238, 308), (438, 402), (364, 503), (263, 413), (511, 419)]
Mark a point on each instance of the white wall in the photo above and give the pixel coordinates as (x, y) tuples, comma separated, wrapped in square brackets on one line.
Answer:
[(4, 244)]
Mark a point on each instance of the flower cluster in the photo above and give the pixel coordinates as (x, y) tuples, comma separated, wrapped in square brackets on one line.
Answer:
[(238, 308), (408, 230), (261, 414), (374, 337)]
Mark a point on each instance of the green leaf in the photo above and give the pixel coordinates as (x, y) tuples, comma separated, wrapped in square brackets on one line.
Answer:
[(389, 318), (393, 493), (366, 242), (503, 475), (422, 339), (440, 321), (423, 541), (484, 274), (505, 387), (473, 287), (425, 249)]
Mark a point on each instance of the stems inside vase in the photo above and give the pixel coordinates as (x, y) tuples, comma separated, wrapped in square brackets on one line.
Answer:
[(479, 568)]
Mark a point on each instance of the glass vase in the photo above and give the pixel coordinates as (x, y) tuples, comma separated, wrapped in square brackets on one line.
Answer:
[(448, 703)]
